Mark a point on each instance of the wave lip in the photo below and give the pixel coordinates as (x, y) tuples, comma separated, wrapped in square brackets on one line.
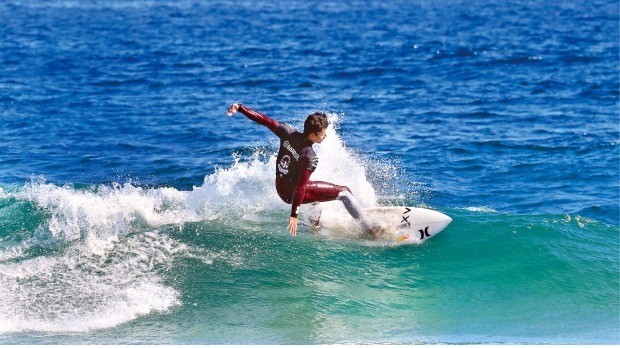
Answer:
[(482, 209)]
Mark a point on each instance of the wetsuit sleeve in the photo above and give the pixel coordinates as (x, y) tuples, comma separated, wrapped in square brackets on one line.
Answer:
[(307, 164), (260, 118), (300, 190)]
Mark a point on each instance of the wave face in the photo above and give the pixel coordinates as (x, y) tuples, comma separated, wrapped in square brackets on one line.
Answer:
[(84, 258), (133, 211)]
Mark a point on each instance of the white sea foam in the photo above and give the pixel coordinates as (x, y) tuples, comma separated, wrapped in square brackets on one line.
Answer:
[(78, 291), (483, 209), (244, 189), (339, 165)]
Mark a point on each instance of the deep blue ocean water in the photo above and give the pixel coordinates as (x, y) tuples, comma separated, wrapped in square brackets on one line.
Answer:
[(133, 210)]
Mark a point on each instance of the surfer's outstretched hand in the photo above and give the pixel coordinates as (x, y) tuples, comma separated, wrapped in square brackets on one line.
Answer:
[(292, 226), (232, 109)]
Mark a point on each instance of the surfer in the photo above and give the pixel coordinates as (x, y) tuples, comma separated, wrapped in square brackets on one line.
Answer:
[(295, 163)]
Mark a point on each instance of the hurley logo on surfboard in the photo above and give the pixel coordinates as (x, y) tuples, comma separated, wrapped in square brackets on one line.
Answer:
[(424, 233)]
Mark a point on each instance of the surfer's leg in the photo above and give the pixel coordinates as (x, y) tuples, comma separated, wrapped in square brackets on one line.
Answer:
[(351, 204), (320, 191), (355, 209)]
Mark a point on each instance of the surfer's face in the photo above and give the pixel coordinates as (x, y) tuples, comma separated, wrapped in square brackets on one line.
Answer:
[(318, 137)]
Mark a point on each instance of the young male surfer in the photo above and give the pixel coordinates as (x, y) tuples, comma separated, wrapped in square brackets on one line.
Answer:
[(295, 163)]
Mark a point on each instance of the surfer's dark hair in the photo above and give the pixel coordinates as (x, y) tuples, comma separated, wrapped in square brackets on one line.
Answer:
[(315, 123)]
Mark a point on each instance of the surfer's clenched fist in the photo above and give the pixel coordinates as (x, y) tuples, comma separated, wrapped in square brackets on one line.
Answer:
[(232, 109)]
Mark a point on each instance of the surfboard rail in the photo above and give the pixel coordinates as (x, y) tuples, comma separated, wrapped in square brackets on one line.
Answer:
[(402, 225)]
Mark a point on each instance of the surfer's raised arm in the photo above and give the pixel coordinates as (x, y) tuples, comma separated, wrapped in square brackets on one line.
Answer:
[(255, 116)]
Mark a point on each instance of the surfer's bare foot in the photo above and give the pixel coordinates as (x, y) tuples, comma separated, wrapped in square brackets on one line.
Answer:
[(315, 227), (376, 231)]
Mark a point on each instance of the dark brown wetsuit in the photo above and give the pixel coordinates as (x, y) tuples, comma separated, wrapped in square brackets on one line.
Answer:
[(295, 163)]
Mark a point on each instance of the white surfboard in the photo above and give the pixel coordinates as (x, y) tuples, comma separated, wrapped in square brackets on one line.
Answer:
[(407, 225), (401, 225)]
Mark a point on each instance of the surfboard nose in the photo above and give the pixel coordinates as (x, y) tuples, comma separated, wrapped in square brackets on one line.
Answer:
[(440, 219), (437, 216), (445, 220)]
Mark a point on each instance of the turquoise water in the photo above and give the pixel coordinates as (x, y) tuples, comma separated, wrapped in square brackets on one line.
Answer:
[(132, 210)]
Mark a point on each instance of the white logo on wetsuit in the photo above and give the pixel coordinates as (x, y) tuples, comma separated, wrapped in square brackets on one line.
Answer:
[(291, 149), (283, 165)]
